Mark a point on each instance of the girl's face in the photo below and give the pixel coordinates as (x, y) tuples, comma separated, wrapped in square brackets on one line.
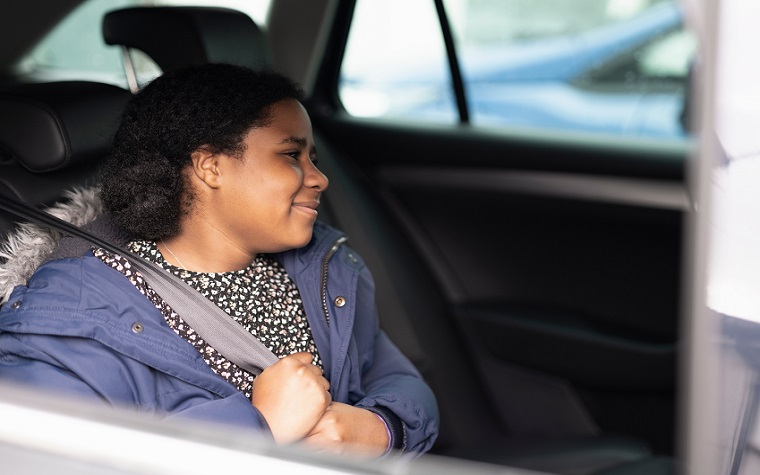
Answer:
[(267, 201)]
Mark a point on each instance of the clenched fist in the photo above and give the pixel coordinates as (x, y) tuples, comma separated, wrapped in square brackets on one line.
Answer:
[(292, 395)]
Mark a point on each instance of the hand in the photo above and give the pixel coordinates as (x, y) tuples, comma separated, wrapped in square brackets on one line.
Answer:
[(292, 395), (345, 429)]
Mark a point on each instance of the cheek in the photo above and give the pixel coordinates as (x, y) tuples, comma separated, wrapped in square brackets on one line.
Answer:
[(269, 188), (285, 185), (273, 174), (270, 195)]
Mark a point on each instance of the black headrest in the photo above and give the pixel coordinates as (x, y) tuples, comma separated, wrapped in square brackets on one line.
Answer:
[(49, 126), (180, 36)]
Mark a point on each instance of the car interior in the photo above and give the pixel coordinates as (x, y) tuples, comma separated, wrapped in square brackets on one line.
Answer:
[(535, 282)]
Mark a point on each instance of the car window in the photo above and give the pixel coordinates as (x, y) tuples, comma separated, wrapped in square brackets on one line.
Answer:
[(614, 67), (75, 49), (395, 65)]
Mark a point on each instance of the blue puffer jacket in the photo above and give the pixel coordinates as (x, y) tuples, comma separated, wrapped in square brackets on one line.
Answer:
[(71, 329)]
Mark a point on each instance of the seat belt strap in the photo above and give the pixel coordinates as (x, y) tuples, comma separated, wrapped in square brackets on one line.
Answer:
[(217, 327)]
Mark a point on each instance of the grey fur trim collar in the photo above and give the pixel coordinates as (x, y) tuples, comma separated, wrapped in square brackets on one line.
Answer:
[(28, 246)]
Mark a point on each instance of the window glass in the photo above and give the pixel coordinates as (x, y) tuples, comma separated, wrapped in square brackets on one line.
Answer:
[(395, 64), (615, 67), (75, 48)]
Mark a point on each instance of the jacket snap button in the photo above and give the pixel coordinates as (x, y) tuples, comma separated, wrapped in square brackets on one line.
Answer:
[(137, 327), (16, 304), (340, 301)]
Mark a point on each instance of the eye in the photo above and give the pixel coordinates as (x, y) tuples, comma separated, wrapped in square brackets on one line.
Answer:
[(294, 154)]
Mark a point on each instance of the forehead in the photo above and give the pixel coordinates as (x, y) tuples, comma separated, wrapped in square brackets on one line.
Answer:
[(288, 123), (288, 113)]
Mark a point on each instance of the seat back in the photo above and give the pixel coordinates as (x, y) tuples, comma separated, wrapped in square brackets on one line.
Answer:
[(52, 137), (178, 36)]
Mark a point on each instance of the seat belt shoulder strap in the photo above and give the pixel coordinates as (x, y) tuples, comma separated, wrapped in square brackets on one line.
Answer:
[(221, 332)]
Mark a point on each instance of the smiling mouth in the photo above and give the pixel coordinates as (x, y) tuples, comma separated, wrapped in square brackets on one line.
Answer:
[(311, 209)]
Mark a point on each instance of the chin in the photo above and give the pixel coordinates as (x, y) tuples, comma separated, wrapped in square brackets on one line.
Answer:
[(304, 241)]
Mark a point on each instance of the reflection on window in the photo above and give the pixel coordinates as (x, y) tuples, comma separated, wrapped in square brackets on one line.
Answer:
[(593, 66)]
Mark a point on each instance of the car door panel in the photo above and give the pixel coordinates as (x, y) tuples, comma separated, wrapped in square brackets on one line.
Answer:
[(562, 267)]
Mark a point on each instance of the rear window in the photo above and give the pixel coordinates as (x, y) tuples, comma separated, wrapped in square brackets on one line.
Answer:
[(75, 48)]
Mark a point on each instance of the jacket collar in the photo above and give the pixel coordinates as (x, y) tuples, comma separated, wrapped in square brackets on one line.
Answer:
[(29, 245)]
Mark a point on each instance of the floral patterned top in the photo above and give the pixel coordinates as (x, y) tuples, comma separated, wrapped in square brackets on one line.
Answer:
[(261, 297)]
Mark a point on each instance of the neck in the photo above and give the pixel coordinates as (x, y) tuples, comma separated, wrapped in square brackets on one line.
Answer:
[(203, 252)]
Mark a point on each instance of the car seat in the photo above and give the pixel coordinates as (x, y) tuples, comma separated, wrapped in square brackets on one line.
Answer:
[(181, 36), (411, 306), (52, 137)]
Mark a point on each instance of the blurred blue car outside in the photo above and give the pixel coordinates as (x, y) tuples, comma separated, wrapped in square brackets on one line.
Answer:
[(625, 78)]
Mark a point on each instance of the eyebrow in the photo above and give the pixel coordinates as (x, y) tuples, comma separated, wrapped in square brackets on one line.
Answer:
[(297, 141), (294, 140)]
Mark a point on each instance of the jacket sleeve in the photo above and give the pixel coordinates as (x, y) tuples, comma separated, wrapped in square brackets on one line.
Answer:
[(36, 361), (84, 369), (235, 410), (390, 380)]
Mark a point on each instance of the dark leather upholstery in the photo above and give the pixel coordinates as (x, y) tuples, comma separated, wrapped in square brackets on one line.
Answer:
[(52, 136), (178, 36), (49, 126)]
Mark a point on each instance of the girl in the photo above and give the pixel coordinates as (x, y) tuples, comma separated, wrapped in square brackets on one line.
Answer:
[(213, 176)]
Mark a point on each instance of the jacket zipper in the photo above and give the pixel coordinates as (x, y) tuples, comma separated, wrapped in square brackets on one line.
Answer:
[(323, 281)]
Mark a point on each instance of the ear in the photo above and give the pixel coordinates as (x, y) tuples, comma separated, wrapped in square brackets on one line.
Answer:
[(205, 166)]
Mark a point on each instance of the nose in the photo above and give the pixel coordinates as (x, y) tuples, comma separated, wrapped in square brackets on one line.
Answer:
[(314, 178)]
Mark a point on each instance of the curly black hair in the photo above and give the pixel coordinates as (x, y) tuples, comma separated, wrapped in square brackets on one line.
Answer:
[(212, 105)]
